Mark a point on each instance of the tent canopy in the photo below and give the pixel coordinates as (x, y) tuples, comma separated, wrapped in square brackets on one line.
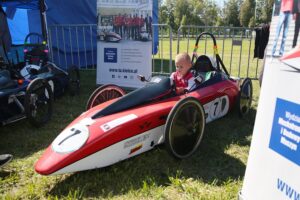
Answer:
[(24, 15), (24, 4)]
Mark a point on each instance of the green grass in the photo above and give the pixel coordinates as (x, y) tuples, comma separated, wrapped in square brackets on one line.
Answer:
[(215, 171)]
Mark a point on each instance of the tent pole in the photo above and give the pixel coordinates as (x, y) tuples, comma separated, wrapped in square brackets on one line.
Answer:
[(42, 7)]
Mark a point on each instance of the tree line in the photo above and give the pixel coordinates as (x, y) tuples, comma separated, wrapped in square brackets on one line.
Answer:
[(235, 13)]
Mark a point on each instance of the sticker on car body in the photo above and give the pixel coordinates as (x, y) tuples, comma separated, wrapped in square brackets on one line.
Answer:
[(117, 122)]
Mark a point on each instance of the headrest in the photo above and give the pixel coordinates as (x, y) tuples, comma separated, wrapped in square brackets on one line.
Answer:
[(204, 64)]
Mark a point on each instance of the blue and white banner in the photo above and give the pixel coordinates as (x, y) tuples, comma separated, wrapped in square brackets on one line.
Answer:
[(124, 42), (273, 168)]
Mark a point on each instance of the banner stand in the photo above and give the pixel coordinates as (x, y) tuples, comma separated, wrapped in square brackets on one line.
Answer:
[(124, 42)]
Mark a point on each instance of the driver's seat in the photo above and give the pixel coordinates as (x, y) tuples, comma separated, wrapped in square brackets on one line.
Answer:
[(36, 56), (203, 64), (203, 67)]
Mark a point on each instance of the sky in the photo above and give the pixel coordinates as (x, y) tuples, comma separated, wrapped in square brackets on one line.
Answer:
[(220, 2)]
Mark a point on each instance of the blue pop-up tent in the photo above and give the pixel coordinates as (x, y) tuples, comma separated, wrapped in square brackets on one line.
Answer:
[(23, 17), (26, 16)]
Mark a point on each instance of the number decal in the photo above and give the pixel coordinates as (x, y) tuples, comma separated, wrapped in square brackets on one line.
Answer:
[(216, 108)]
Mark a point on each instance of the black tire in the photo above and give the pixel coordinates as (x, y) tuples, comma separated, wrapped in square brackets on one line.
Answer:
[(38, 102), (245, 97), (185, 127), (74, 80), (103, 94)]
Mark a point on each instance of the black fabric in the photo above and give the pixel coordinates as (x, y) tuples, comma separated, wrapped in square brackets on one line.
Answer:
[(137, 97), (261, 40), (203, 64)]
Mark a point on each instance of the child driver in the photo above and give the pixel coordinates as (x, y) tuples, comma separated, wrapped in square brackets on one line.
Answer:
[(182, 78)]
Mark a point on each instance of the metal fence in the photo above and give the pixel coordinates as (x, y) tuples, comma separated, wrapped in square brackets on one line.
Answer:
[(235, 45), (73, 45), (162, 48), (77, 45)]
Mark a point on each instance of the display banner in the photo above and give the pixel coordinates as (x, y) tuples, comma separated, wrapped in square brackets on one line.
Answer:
[(124, 42), (273, 167)]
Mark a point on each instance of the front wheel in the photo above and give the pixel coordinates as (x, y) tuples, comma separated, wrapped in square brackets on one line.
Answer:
[(185, 127), (38, 102), (103, 94)]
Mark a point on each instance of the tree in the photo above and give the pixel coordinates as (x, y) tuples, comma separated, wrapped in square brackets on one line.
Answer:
[(183, 23), (247, 12), (163, 14), (170, 8), (210, 13), (231, 13), (182, 8), (266, 14)]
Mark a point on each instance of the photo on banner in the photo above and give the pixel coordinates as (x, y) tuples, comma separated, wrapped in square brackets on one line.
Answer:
[(124, 42)]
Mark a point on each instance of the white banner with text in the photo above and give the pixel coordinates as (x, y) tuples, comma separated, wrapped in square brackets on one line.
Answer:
[(124, 42)]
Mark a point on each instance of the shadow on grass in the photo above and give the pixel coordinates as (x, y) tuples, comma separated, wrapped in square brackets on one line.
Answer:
[(210, 163), (4, 174)]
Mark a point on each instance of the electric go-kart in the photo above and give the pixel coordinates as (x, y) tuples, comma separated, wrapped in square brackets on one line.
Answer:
[(28, 92), (144, 35), (136, 122)]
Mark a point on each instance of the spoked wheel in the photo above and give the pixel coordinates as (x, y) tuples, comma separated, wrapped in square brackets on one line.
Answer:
[(245, 97), (184, 128), (104, 93), (74, 80), (38, 102)]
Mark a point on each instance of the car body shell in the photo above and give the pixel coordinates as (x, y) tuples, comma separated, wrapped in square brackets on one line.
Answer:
[(105, 140)]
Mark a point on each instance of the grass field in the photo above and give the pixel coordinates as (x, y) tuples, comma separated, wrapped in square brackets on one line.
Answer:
[(215, 171)]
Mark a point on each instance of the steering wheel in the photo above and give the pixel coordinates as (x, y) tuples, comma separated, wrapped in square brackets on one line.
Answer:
[(41, 40)]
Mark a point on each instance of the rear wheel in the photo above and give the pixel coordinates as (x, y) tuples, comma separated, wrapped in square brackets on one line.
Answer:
[(103, 94), (185, 127), (245, 97), (74, 80), (38, 102)]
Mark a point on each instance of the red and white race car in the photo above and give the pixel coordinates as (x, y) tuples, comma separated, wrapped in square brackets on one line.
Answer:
[(126, 125)]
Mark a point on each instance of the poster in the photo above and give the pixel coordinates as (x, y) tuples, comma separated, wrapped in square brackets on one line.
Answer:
[(124, 42), (273, 167)]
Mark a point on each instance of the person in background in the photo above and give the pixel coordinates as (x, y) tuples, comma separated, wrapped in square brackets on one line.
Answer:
[(183, 77), (147, 23), (296, 17), (284, 18), (4, 159), (135, 26)]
